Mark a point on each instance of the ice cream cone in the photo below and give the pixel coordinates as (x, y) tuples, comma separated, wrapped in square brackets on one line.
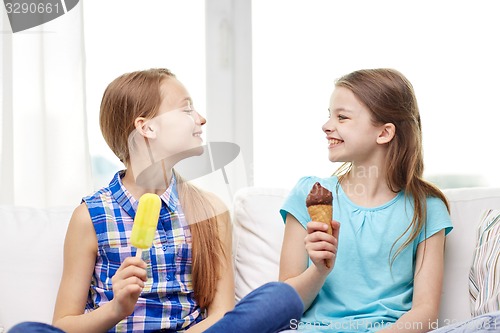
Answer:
[(319, 206), (321, 213)]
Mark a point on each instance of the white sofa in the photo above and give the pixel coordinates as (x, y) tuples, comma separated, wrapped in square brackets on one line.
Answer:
[(31, 247)]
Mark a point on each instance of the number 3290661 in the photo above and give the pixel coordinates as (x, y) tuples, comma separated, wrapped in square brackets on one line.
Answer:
[(32, 8)]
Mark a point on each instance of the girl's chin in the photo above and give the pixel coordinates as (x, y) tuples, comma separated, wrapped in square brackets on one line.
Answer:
[(337, 159), (194, 150), (333, 158), (197, 149)]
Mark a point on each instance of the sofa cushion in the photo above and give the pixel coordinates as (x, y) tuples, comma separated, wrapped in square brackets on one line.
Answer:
[(31, 247), (257, 237), (485, 271)]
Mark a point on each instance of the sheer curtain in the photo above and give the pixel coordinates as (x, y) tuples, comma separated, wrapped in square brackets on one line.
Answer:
[(44, 159)]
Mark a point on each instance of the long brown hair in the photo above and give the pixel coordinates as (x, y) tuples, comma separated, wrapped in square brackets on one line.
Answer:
[(391, 99), (208, 219), (137, 94)]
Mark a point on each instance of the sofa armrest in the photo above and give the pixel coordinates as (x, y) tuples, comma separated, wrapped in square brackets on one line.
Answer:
[(467, 207)]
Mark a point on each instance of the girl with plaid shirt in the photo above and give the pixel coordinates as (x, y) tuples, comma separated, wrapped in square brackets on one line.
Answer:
[(185, 282)]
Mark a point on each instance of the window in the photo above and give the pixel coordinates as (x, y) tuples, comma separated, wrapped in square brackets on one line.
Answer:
[(125, 35)]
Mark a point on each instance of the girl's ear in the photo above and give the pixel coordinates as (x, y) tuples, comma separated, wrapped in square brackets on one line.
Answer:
[(387, 133), (145, 127)]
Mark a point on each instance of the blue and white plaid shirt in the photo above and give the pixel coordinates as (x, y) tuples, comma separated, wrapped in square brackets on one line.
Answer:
[(167, 300)]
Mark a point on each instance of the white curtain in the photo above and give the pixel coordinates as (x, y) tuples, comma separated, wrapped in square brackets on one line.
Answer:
[(44, 154)]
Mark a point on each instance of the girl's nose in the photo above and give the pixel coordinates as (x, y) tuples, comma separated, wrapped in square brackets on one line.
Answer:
[(328, 126), (201, 119)]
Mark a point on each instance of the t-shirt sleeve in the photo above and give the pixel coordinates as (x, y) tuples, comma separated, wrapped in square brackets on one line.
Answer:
[(438, 219), (295, 203)]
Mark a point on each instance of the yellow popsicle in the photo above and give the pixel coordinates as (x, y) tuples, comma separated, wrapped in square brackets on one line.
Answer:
[(145, 222)]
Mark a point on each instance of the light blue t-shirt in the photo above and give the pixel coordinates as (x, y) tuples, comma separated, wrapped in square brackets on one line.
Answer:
[(363, 293)]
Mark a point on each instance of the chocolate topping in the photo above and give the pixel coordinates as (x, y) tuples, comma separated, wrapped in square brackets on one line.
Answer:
[(319, 196)]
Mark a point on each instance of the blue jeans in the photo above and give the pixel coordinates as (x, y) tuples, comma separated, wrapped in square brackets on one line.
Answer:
[(267, 309)]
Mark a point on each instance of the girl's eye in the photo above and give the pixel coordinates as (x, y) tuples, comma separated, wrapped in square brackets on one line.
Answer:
[(189, 108), (341, 117)]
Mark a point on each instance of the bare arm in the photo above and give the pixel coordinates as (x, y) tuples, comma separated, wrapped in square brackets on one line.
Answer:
[(300, 244), (427, 287), (80, 251), (224, 297)]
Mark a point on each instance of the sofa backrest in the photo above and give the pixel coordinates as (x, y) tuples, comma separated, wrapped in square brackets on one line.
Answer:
[(258, 235)]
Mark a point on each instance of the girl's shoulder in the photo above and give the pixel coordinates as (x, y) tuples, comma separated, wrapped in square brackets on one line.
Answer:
[(99, 193), (437, 210), (106, 192), (434, 205), (306, 183)]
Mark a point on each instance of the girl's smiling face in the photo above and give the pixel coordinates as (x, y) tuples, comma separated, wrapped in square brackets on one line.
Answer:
[(352, 136), (178, 126)]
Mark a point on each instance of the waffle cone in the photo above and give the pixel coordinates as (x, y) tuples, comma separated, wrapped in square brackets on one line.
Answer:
[(321, 213)]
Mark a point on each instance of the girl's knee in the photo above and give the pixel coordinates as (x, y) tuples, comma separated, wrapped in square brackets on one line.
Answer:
[(280, 292), (274, 289), (34, 327)]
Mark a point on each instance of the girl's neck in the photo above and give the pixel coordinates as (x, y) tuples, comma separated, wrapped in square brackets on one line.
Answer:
[(155, 182), (367, 185)]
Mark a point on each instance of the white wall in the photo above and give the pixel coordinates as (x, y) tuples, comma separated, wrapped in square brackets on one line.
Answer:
[(448, 50)]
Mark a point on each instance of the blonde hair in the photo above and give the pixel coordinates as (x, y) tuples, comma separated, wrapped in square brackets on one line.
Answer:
[(391, 99), (137, 94)]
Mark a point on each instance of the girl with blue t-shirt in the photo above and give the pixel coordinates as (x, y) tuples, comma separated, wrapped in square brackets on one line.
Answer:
[(184, 282), (389, 224)]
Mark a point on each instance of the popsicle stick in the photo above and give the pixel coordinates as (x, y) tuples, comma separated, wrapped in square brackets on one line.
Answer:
[(138, 254)]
